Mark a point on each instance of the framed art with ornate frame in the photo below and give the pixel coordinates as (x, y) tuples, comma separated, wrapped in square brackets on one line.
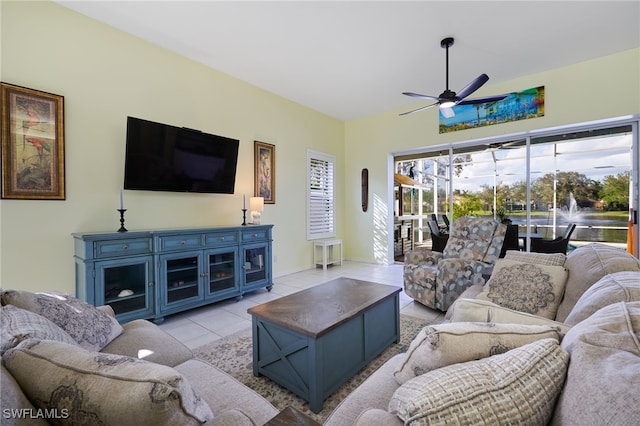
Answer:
[(32, 144), (265, 171)]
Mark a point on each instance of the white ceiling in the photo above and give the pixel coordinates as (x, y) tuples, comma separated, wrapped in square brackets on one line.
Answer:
[(350, 59)]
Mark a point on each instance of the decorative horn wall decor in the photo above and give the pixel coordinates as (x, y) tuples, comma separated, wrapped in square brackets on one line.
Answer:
[(365, 189)]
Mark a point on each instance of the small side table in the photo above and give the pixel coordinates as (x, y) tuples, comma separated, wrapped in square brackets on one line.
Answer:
[(328, 254), (291, 417)]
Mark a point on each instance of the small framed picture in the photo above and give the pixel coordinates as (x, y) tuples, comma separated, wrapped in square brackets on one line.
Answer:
[(32, 144), (265, 171)]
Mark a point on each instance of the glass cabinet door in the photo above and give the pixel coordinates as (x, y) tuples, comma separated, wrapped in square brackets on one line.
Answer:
[(181, 275), (126, 286), (221, 276), (255, 267)]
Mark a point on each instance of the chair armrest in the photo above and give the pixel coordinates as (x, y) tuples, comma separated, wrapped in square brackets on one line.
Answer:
[(422, 257)]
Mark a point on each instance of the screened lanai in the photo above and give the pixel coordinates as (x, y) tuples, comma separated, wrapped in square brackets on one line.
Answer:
[(541, 182)]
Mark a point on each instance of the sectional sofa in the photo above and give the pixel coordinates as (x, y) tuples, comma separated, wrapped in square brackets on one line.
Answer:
[(564, 349), (67, 362), (547, 340)]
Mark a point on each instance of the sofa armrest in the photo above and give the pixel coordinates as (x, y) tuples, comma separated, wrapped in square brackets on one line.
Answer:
[(107, 309), (472, 310), (145, 340)]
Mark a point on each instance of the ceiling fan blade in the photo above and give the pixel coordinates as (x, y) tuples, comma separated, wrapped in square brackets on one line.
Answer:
[(418, 95), (483, 100), (473, 86), (419, 109)]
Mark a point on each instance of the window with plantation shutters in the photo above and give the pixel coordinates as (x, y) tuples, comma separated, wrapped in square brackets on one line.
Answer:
[(320, 190)]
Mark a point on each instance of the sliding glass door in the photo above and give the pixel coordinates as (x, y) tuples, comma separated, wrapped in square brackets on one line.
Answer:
[(541, 183)]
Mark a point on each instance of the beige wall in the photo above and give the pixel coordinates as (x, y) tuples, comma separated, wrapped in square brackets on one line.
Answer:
[(106, 75), (599, 89)]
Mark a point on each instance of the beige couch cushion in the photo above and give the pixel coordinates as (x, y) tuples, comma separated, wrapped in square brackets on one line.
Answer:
[(444, 344), (223, 393), (17, 325), (533, 288), (90, 327), (617, 287), (587, 265), (12, 398), (604, 374), (98, 388), (517, 387), (484, 311)]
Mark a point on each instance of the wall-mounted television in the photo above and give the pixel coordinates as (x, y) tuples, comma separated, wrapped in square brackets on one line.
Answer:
[(161, 157)]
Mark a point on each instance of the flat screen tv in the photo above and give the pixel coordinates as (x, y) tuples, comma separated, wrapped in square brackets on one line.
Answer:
[(160, 157)]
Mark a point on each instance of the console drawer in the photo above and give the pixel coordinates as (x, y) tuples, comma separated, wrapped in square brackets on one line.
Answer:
[(215, 239), (254, 235), (179, 242), (125, 247)]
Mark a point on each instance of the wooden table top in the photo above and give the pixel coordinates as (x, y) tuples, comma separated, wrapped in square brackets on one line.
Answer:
[(320, 309)]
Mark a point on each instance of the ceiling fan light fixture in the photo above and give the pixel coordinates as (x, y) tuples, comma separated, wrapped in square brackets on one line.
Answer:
[(447, 104)]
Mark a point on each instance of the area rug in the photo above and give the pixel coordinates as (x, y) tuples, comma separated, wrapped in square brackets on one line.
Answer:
[(233, 354)]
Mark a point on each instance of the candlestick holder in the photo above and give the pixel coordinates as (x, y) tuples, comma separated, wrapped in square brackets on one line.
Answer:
[(244, 217), (122, 228)]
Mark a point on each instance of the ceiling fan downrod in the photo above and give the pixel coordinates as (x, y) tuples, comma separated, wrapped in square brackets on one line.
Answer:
[(446, 43)]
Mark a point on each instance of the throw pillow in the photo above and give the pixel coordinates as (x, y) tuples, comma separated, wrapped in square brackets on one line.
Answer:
[(617, 287), (517, 387), (445, 344), (17, 325), (552, 259), (526, 287), (90, 327), (96, 388), (604, 374), (474, 310)]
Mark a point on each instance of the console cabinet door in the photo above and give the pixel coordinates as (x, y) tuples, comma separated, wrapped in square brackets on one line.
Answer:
[(256, 267), (180, 280), (127, 286), (221, 279)]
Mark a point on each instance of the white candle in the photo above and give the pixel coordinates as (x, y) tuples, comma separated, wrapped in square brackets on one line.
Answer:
[(244, 202), (121, 199)]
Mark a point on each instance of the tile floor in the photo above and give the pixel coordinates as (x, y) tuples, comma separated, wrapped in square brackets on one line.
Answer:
[(208, 323)]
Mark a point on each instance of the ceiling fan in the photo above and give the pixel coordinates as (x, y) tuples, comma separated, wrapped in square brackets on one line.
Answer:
[(448, 99)]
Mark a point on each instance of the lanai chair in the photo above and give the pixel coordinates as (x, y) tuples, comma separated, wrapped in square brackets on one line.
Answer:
[(437, 279), (438, 239), (557, 245)]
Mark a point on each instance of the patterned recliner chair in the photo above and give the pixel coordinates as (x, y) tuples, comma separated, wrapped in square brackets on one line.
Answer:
[(437, 279)]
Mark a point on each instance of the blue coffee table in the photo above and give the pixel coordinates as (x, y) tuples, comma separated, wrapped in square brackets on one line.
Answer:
[(313, 341)]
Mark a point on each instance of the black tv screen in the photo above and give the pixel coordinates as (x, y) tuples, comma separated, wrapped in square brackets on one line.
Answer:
[(160, 157)]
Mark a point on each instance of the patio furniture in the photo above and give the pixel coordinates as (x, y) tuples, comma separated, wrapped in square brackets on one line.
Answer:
[(557, 245), (511, 240), (438, 239)]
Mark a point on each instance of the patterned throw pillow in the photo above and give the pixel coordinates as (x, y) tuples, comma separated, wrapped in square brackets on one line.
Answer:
[(526, 287), (444, 344), (517, 387), (17, 325), (94, 388), (90, 327)]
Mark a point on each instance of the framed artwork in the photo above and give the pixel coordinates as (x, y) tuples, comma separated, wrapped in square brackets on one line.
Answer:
[(265, 171), (32, 144)]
